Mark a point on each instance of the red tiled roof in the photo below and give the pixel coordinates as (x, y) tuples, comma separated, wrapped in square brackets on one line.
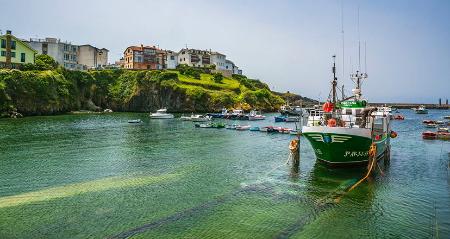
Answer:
[(139, 48)]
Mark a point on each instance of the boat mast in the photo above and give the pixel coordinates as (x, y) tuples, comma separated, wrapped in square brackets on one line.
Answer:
[(334, 82), (358, 76)]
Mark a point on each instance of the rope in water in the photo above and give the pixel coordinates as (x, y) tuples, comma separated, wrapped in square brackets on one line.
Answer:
[(372, 159)]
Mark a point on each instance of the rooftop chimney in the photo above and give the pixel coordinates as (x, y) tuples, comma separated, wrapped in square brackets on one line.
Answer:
[(8, 32)]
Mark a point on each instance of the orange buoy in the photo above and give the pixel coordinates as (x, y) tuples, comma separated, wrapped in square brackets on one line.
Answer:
[(328, 106), (331, 122)]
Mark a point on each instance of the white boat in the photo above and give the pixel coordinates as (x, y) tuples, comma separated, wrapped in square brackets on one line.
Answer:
[(421, 110), (254, 115), (243, 127), (185, 118), (135, 121), (233, 126), (161, 114), (200, 118), (431, 125)]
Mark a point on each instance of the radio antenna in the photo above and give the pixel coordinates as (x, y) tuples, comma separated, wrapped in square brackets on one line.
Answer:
[(365, 57), (343, 39), (359, 45)]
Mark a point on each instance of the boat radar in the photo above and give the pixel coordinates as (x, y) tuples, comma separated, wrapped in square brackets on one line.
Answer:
[(357, 77)]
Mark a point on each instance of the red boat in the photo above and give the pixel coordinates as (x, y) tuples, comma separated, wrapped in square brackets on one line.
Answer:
[(429, 135), (399, 117), (429, 121)]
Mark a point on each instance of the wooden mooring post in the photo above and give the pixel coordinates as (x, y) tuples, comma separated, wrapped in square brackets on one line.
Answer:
[(294, 147)]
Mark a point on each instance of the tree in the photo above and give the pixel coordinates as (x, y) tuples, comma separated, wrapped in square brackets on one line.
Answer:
[(218, 77), (45, 62)]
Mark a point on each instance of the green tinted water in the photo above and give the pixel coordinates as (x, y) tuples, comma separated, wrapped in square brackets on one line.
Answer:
[(96, 176)]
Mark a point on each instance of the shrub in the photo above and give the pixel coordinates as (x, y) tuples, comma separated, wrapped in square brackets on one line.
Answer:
[(41, 63), (218, 77), (189, 71)]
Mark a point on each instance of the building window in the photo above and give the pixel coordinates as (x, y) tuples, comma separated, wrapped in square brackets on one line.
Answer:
[(3, 53), (3, 43), (22, 57), (13, 54), (13, 45)]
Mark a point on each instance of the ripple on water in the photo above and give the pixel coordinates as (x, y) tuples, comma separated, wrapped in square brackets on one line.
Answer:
[(233, 184)]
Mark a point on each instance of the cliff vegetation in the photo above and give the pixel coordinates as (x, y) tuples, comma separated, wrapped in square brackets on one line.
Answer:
[(44, 88)]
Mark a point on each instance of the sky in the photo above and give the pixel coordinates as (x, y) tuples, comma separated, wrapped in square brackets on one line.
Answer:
[(287, 44)]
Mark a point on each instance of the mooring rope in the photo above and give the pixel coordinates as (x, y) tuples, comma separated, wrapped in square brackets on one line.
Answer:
[(372, 159)]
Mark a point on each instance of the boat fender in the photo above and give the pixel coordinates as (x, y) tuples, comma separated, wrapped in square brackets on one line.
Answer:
[(293, 145), (328, 107), (393, 134), (331, 122)]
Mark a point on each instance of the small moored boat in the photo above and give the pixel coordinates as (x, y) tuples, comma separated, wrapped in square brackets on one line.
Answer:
[(280, 118), (135, 121), (243, 127), (254, 115), (429, 135), (421, 110), (200, 118), (440, 122), (268, 129), (399, 117), (431, 125), (161, 114), (233, 126)]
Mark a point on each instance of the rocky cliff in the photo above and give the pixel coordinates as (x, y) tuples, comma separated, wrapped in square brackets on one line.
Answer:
[(54, 91)]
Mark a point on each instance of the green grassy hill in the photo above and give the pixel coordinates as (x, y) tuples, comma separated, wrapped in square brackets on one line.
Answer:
[(47, 90)]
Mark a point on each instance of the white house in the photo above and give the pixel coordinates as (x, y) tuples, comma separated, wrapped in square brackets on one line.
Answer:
[(194, 57), (171, 60), (219, 60)]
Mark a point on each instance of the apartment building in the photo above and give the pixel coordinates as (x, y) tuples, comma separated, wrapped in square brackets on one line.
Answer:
[(65, 53), (92, 57)]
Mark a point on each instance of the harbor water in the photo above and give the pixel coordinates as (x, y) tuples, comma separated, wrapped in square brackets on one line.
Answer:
[(97, 176)]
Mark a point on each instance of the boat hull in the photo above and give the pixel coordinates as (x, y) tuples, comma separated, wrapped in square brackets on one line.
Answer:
[(421, 111), (343, 146), (161, 116)]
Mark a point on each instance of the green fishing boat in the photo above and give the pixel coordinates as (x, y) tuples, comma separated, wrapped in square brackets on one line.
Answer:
[(343, 132)]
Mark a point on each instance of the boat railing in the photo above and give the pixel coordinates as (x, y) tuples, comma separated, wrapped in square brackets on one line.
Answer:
[(345, 120)]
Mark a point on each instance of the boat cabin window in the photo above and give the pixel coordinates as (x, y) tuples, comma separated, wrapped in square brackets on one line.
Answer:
[(348, 111), (378, 124)]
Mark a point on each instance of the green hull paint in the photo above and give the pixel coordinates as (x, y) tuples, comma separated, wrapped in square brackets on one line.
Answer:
[(344, 149)]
